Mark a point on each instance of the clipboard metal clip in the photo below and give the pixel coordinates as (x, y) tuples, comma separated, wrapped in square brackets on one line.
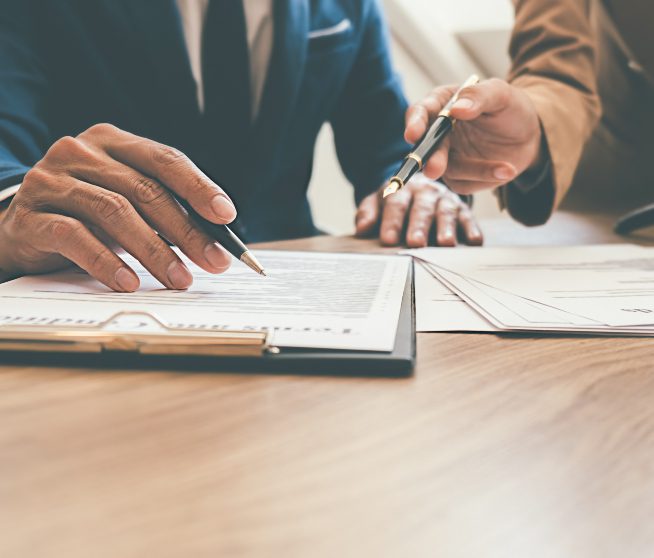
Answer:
[(149, 336)]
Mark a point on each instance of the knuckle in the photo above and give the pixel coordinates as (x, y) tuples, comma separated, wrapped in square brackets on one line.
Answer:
[(64, 147), (198, 183), (148, 191), (424, 205), (101, 129), (448, 207), (101, 261), (393, 223), (168, 156), (502, 87), (399, 202), (110, 205), (465, 216), (155, 250), (20, 221), (189, 233), (62, 230), (35, 178)]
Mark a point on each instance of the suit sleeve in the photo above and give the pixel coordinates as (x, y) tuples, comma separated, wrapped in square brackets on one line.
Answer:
[(23, 131), (553, 61), (368, 120)]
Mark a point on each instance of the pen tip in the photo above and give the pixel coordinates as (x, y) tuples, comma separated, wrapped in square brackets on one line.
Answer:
[(391, 189), (248, 259)]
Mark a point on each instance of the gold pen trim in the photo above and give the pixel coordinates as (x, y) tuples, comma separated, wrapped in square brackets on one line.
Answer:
[(417, 158), (248, 259), (395, 185)]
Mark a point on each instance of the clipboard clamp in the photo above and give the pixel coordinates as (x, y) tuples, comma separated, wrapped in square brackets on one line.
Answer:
[(135, 337)]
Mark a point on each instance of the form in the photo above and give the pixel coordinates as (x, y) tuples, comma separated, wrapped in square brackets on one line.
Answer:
[(605, 289), (440, 309), (309, 300)]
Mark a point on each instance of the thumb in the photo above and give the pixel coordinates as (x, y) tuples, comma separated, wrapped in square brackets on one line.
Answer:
[(368, 214), (487, 97)]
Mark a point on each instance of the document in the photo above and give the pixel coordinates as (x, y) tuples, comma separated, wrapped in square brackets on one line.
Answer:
[(440, 309), (584, 289), (309, 300)]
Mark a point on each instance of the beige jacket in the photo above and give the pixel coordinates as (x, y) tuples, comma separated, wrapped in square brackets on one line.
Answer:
[(568, 55)]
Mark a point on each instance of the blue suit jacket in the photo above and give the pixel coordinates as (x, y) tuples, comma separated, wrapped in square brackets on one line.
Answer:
[(68, 64)]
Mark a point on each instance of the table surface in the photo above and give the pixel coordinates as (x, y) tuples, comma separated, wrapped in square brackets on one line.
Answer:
[(498, 446)]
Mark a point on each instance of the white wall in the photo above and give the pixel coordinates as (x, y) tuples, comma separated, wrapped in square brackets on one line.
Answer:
[(448, 41)]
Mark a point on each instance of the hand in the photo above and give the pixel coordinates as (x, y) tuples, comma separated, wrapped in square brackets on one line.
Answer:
[(422, 203), (106, 187), (497, 137)]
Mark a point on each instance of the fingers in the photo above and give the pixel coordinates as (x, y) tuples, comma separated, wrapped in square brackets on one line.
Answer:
[(462, 168), (487, 97), (420, 115), (438, 163), (367, 214), (394, 214), (168, 166), (421, 218), (447, 214), (471, 232), (113, 213), (162, 212), (72, 240)]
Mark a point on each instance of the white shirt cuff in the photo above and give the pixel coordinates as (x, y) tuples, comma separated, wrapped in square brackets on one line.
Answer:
[(9, 192)]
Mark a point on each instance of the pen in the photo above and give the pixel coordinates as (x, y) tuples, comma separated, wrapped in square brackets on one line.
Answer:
[(226, 237), (424, 149)]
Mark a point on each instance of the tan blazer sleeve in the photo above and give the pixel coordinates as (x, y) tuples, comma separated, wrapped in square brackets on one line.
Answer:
[(553, 61)]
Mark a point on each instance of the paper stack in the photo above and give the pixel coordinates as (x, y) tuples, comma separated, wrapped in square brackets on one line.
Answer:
[(598, 289)]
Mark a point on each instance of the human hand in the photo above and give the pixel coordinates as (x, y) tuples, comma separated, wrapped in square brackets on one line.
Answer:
[(107, 187), (497, 136), (416, 209)]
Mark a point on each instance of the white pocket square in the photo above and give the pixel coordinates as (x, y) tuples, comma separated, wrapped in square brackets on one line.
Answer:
[(341, 27)]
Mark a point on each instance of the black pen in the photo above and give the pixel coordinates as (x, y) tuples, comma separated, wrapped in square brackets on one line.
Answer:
[(225, 237), (425, 148)]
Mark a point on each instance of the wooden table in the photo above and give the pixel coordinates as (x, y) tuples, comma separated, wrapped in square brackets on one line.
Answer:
[(499, 446)]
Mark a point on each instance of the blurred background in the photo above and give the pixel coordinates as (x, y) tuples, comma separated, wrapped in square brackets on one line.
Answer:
[(435, 42)]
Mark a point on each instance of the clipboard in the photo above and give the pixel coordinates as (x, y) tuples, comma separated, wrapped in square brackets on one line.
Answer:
[(203, 350)]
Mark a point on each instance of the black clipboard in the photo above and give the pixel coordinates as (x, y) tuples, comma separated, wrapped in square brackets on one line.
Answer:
[(213, 351)]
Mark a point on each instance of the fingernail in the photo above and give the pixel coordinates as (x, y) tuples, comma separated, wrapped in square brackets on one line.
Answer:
[(447, 236), (464, 104), (179, 276), (217, 257), (126, 280), (503, 173), (418, 235), (391, 236), (223, 208)]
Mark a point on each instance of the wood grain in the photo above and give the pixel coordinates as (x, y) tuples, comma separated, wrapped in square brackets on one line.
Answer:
[(499, 446)]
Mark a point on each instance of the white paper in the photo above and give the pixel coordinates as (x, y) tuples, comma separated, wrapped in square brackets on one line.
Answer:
[(583, 288), (312, 300), (439, 309)]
